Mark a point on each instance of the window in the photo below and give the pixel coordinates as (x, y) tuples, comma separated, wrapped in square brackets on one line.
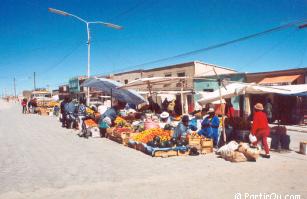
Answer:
[(126, 81), (182, 74), (208, 90), (168, 75)]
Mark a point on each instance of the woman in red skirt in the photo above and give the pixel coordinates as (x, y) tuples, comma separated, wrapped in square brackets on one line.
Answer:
[(260, 128)]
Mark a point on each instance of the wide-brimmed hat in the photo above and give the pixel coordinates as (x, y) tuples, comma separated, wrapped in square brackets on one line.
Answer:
[(211, 110), (259, 106), (164, 115)]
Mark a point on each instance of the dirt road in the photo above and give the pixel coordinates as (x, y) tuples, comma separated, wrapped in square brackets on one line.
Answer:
[(39, 159)]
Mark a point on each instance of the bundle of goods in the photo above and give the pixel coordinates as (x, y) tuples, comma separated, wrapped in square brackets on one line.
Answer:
[(241, 128), (280, 139), (132, 116), (235, 152)]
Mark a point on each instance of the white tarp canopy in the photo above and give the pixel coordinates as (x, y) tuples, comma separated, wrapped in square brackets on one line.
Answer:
[(236, 89)]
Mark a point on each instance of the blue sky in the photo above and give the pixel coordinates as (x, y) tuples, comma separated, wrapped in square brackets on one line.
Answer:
[(54, 46)]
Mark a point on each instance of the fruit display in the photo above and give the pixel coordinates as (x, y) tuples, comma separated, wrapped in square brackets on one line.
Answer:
[(194, 135), (160, 135), (120, 122), (90, 123)]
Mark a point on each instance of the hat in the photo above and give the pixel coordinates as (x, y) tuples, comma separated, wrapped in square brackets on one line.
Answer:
[(164, 115), (211, 110), (259, 106)]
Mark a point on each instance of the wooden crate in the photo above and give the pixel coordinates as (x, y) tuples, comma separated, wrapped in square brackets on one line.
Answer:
[(165, 154), (197, 146), (194, 141), (206, 150), (109, 132), (206, 143), (116, 139)]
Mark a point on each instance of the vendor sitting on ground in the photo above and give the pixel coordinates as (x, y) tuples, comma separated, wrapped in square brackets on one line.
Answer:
[(183, 128), (107, 119), (165, 120), (210, 126)]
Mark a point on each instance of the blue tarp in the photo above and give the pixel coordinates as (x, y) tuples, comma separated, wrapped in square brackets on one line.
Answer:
[(111, 87), (151, 150)]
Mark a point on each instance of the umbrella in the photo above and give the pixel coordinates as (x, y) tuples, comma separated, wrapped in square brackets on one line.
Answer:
[(111, 87)]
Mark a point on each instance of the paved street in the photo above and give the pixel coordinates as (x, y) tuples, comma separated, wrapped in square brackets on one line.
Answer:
[(39, 159)]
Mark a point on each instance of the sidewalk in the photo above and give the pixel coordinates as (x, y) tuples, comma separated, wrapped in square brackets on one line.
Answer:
[(298, 128)]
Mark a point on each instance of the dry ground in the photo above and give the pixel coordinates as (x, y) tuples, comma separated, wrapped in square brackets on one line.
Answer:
[(39, 159)]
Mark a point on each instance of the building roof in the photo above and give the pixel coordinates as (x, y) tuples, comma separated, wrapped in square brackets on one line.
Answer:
[(181, 65), (216, 66), (280, 71)]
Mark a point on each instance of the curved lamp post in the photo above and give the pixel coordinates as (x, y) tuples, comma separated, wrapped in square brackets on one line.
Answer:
[(109, 25)]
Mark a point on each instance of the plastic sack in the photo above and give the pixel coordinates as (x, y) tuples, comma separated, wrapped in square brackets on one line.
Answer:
[(95, 132), (228, 148), (252, 138), (151, 124)]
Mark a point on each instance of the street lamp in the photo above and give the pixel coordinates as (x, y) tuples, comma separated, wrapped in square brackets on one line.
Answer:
[(109, 25)]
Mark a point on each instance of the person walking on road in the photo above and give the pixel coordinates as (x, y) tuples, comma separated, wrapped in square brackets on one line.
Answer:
[(260, 128), (24, 106), (63, 113)]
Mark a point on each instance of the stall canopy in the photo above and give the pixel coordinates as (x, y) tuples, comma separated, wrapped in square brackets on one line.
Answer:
[(111, 87), (236, 89), (280, 80)]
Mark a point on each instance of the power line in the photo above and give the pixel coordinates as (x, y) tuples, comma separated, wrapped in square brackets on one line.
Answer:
[(220, 45), (279, 43), (125, 12), (62, 59)]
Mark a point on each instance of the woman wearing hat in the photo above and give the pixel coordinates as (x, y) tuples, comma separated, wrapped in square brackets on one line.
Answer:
[(210, 126), (260, 128), (164, 119)]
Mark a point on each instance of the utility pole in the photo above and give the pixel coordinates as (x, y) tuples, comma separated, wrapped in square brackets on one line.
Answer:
[(34, 81), (14, 87)]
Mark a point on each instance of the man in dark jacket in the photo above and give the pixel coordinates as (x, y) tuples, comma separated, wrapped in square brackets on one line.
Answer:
[(63, 113), (70, 110)]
